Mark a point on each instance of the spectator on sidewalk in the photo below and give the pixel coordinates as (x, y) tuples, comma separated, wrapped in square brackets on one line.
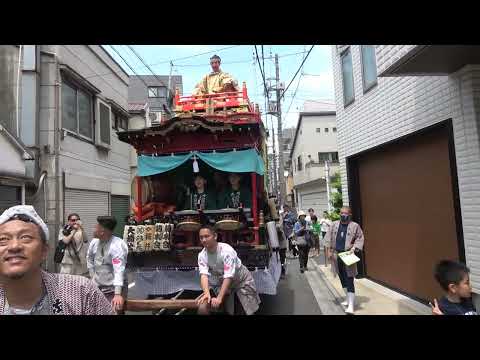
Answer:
[(25, 289), (288, 221), (311, 212), (106, 261), (302, 232), (282, 249), (345, 235), (71, 251), (454, 278), (316, 235)]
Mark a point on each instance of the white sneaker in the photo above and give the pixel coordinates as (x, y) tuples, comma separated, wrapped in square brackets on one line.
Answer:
[(351, 304)]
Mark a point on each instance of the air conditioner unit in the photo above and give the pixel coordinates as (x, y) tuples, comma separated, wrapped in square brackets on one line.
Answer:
[(155, 118)]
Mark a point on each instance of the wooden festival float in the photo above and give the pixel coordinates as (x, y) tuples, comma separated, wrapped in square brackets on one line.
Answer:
[(221, 133)]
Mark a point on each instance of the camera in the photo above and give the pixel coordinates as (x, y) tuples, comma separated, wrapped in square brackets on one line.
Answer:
[(67, 230)]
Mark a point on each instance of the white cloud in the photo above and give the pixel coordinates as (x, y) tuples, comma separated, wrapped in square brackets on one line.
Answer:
[(320, 85)]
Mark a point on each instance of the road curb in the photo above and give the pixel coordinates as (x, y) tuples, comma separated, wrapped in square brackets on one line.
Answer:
[(326, 299), (336, 295)]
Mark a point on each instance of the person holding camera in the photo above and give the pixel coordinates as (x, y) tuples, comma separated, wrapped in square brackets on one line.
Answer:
[(71, 251)]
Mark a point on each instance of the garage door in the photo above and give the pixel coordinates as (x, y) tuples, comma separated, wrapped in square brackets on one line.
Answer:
[(9, 196), (120, 209), (408, 212), (87, 204), (316, 200)]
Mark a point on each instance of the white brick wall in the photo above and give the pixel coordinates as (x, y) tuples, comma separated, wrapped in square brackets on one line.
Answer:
[(398, 106), (389, 54)]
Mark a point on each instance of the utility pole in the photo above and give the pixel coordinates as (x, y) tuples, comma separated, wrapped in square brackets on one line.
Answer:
[(280, 135), (169, 83), (274, 161)]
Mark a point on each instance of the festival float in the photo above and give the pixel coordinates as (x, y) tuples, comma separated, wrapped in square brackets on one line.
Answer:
[(213, 135)]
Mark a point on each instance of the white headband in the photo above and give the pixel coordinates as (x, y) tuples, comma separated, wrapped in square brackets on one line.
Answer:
[(28, 211)]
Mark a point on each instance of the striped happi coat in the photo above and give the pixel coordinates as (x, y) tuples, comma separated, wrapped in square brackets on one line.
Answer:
[(70, 295)]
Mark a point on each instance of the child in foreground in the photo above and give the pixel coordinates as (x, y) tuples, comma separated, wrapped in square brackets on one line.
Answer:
[(454, 278)]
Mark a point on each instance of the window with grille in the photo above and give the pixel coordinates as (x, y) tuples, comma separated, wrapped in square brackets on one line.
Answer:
[(328, 156)]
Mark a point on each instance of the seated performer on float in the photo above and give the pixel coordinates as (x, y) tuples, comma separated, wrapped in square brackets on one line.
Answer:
[(221, 270), (217, 81), (236, 194), (200, 198)]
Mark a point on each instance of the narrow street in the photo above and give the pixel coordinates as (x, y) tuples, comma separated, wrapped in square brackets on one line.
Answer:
[(301, 294)]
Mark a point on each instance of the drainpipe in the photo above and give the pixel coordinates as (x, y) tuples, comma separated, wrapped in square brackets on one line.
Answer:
[(19, 71), (42, 184), (57, 147)]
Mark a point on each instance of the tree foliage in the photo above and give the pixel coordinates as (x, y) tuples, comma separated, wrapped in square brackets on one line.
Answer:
[(336, 199)]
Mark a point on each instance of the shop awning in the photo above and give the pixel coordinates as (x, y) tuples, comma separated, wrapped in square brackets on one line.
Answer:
[(239, 161)]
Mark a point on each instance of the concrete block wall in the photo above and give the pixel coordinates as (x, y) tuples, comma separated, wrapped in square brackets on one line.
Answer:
[(398, 106), (91, 62), (77, 156)]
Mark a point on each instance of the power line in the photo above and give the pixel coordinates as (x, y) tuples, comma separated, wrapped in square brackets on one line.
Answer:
[(105, 81), (226, 63), (163, 62), (263, 60), (300, 67), (295, 92), (125, 61), (195, 55), (242, 61), (149, 68), (263, 74)]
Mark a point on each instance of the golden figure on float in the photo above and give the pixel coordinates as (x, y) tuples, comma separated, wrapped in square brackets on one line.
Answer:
[(217, 81)]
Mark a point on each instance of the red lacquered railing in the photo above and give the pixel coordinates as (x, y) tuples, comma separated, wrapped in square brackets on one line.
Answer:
[(223, 100)]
